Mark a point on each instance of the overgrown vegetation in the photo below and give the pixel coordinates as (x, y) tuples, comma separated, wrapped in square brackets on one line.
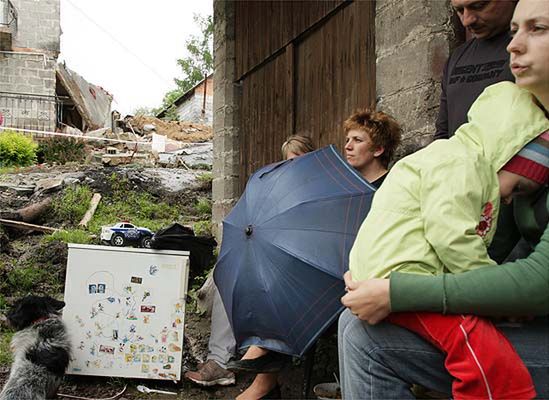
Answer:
[(61, 150), (16, 149)]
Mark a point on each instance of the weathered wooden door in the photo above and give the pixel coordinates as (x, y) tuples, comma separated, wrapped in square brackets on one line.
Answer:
[(302, 67)]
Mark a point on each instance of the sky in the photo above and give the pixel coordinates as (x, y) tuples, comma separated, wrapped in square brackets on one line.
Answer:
[(129, 47)]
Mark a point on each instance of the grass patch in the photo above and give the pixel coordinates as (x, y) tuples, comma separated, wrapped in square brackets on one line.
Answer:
[(3, 303), (205, 177), (203, 228), (202, 166), (141, 209), (24, 279), (125, 203), (121, 203), (5, 352), (8, 170), (203, 207), (73, 204), (70, 236)]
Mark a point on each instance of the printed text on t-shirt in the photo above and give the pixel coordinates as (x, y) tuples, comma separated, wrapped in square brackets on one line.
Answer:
[(476, 72)]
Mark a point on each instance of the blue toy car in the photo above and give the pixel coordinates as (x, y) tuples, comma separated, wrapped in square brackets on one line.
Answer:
[(124, 233)]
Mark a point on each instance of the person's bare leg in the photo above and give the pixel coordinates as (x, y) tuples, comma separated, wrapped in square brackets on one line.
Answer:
[(254, 352), (262, 384)]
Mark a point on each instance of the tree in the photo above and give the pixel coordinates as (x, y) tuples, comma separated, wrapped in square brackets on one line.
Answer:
[(197, 65), (144, 112)]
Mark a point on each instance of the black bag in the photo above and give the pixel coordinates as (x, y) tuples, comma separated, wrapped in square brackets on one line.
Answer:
[(179, 237)]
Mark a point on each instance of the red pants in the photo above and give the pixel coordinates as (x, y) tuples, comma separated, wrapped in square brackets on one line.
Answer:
[(479, 357)]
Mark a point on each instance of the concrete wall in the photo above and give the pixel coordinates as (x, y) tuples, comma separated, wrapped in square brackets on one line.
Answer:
[(29, 69), (27, 73), (413, 41), (38, 25), (226, 144)]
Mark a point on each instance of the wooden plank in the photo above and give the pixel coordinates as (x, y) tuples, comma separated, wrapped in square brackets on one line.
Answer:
[(259, 33), (309, 86), (27, 226)]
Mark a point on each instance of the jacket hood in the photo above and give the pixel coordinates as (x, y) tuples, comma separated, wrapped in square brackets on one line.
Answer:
[(502, 121)]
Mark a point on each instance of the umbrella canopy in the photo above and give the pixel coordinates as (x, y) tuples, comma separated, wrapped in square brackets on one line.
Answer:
[(285, 248)]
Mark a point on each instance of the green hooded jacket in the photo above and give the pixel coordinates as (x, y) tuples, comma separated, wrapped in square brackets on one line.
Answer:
[(437, 209)]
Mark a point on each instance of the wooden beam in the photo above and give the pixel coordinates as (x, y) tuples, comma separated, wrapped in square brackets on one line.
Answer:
[(24, 225), (91, 210)]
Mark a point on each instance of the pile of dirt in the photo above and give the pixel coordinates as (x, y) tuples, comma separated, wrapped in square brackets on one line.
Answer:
[(175, 130)]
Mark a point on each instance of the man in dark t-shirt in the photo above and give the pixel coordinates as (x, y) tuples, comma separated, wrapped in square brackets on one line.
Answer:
[(476, 64)]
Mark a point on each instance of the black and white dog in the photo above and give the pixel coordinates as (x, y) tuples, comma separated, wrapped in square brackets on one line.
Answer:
[(41, 349)]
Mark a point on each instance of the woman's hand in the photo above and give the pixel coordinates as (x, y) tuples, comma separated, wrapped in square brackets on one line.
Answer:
[(369, 300)]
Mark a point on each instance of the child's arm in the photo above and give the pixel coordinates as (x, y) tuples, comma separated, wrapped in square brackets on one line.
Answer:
[(451, 205)]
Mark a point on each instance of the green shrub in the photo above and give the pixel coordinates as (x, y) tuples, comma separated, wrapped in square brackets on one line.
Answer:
[(62, 150), (16, 149)]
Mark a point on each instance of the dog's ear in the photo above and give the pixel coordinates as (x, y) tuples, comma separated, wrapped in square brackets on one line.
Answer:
[(54, 305)]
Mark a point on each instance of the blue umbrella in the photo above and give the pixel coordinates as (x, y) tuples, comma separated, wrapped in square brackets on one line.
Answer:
[(285, 248)]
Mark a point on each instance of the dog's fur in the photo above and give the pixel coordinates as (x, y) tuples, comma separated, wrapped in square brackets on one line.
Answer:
[(41, 349)]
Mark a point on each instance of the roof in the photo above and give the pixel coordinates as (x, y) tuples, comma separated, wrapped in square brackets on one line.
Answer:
[(92, 102), (183, 97)]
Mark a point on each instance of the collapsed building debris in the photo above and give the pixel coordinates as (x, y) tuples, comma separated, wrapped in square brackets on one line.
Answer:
[(88, 106), (175, 130)]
